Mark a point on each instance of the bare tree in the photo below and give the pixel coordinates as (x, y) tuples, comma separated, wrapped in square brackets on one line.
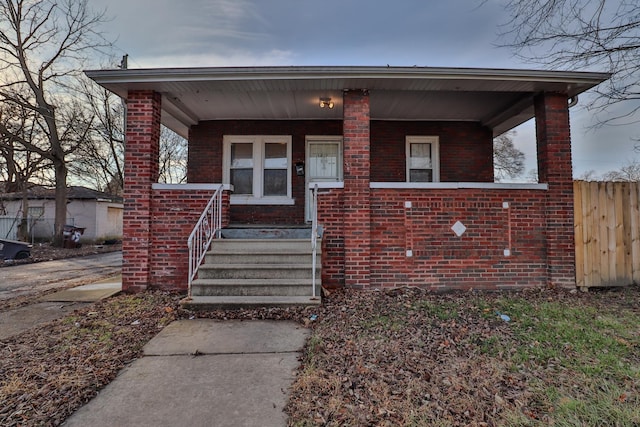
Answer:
[(630, 171), (508, 161), (532, 175), (173, 157), (43, 43), (19, 165), (99, 161), (583, 34), (589, 175)]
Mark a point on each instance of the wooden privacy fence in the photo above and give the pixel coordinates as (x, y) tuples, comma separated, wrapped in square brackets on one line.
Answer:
[(607, 233)]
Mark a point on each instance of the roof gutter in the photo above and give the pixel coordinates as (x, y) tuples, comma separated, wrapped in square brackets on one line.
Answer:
[(293, 73)]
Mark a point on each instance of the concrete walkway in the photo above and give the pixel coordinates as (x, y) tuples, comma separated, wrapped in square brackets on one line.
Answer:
[(194, 372), (203, 373), (55, 305)]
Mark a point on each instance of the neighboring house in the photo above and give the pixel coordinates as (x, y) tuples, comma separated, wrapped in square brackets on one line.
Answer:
[(100, 214), (402, 157)]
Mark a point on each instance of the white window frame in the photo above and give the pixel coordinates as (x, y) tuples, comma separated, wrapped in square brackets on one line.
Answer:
[(258, 141), (435, 154), (326, 139)]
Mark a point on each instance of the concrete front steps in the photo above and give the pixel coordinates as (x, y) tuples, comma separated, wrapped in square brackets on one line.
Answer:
[(256, 272)]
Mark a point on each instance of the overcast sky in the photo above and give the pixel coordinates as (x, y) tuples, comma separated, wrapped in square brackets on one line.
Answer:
[(452, 33)]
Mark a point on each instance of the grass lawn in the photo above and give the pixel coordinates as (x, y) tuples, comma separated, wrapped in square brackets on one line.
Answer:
[(418, 359)]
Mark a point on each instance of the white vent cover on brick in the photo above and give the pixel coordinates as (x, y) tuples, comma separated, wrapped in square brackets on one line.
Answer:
[(459, 228)]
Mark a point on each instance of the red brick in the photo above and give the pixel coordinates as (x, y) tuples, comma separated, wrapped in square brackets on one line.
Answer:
[(553, 136), (140, 171)]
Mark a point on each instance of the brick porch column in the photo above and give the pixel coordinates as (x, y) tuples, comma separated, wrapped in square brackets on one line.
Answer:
[(140, 172), (357, 213), (553, 136)]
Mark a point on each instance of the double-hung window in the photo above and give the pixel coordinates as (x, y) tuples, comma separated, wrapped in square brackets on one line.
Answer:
[(259, 168), (423, 160)]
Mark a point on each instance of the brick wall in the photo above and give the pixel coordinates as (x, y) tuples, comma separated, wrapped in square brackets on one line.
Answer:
[(175, 213), (554, 167), (140, 170), (331, 218), (205, 161), (357, 213), (466, 155), (441, 260), (466, 150), (368, 231)]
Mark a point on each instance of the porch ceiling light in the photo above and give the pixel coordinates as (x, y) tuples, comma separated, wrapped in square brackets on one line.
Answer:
[(326, 103)]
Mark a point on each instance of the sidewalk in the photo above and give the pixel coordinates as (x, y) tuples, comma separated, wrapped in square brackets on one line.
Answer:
[(55, 305), (194, 372), (203, 373)]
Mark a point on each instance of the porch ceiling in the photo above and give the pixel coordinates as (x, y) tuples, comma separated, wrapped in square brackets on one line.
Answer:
[(497, 98)]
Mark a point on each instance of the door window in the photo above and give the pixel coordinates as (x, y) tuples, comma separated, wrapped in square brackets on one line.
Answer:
[(324, 163)]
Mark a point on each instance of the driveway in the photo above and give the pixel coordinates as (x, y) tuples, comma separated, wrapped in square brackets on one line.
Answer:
[(33, 278)]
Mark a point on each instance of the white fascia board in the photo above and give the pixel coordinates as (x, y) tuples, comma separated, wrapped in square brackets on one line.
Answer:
[(341, 72)]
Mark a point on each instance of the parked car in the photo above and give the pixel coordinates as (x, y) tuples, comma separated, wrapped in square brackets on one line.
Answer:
[(12, 249)]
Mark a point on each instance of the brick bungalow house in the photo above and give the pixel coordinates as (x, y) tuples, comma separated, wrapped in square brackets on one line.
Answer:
[(400, 159)]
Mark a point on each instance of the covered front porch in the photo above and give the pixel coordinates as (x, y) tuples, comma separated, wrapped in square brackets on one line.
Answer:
[(401, 165)]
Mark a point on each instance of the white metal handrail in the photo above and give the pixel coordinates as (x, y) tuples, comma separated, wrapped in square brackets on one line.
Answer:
[(207, 227), (314, 237)]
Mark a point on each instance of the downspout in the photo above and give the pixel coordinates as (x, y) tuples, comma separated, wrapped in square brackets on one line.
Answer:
[(573, 101)]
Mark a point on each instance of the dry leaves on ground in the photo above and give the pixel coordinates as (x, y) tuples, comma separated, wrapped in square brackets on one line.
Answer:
[(410, 357), (49, 371), (380, 358)]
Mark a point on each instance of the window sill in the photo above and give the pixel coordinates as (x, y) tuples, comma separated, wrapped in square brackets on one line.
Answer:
[(249, 200), (458, 185)]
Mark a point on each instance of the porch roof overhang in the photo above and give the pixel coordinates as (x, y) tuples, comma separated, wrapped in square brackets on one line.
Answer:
[(497, 98)]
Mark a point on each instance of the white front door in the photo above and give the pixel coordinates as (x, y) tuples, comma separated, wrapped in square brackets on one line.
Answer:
[(323, 164)]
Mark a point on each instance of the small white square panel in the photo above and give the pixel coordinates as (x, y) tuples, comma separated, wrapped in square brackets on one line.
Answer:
[(459, 228)]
